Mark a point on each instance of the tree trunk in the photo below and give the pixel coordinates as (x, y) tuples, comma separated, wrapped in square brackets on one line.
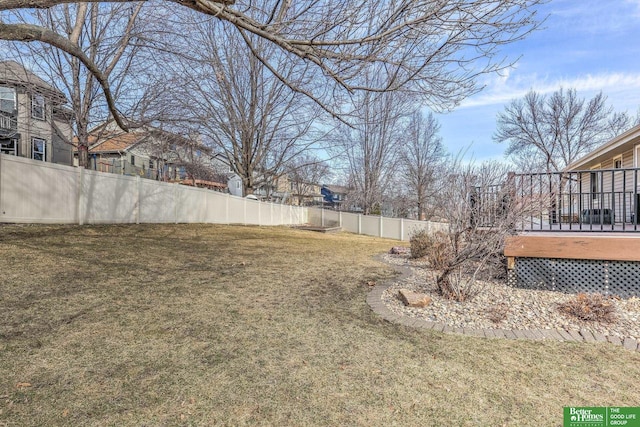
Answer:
[(83, 156)]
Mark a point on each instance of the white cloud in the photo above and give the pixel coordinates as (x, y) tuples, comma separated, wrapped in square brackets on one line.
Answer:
[(501, 90)]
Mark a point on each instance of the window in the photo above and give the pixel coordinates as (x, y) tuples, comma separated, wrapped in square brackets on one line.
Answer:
[(8, 100), (38, 149), (37, 106), (9, 146), (133, 160), (617, 162), (150, 164)]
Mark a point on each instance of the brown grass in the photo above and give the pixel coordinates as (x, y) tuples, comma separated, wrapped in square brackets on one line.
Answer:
[(218, 325), (590, 307)]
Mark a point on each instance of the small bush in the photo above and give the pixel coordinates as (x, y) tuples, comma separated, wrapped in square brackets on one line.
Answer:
[(590, 307), (497, 313), (440, 254), (433, 246), (420, 244)]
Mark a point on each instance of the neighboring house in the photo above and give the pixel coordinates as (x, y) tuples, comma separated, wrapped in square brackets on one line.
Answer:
[(220, 165), (283, 189), (306, 194), (33, 120), (151, 153), (334, 196)]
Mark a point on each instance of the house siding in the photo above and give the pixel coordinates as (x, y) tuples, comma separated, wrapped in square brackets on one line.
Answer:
[(57, 147)]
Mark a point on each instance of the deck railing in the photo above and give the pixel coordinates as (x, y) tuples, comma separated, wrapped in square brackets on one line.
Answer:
[(585, 200)]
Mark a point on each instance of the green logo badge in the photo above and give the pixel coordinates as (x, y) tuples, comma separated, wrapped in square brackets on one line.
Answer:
[(585, 416)]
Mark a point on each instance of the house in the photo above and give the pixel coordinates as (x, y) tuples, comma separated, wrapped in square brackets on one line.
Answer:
[(152, 153), (34, 122), (621, 152), (609, 177), (584, 237), (305, 193), (334, 196), (287, 190)]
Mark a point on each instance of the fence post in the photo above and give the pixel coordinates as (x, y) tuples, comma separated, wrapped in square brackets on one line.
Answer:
[(401, 228), (80, 198), (226, 208), (244, 208), (380, 228), (1, 211), (138, 198), (340, 218), (176, 191), (359, 223), (259, 214), (321, 217)]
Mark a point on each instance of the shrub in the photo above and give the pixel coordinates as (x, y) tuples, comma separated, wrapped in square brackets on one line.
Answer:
[(497, 313), (590, 307), (420, 243), (440, 254)]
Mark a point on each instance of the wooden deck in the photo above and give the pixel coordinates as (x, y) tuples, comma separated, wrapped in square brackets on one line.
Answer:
[(610, 246)]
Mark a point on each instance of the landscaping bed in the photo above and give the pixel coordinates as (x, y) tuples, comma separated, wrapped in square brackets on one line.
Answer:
[(497, 305)]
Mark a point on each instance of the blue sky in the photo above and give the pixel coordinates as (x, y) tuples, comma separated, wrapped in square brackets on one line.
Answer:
[(588, 45)]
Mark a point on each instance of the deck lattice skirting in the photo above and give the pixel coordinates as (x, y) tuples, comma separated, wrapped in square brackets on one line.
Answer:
[(605, 264)]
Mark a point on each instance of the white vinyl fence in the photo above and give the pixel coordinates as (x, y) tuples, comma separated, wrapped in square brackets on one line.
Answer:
[(392, 228), (36, 192)]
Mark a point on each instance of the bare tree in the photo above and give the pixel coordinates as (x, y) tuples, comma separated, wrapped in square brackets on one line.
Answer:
[(371, 141), (422, 160), (480, 208), (305, 173), (228, 96), (554, 131), (105, 33), (433, 49)]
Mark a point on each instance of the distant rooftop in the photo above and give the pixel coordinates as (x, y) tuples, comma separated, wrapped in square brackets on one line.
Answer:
[(13, 73)]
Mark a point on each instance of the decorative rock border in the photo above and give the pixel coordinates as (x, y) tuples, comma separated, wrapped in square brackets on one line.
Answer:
[(374, 299)]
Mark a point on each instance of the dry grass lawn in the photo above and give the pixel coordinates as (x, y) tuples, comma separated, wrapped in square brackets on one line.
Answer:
[(167, 325)]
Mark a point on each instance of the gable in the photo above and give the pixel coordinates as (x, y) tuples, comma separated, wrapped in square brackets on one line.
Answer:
[(12, 73)]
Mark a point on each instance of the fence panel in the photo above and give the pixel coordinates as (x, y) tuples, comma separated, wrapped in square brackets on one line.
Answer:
[(331, 218), (33, 191), (350, 222), (158, 201), (315, 216), (37, 192), (217, 207), (370, 225), (192, 204), (107, 198), (392, 228), (252, 211)]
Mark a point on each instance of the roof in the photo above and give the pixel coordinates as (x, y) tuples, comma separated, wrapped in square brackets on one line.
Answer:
[(613, 147), (337, 189), (107, 137), (117, 143), (15, 74)]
